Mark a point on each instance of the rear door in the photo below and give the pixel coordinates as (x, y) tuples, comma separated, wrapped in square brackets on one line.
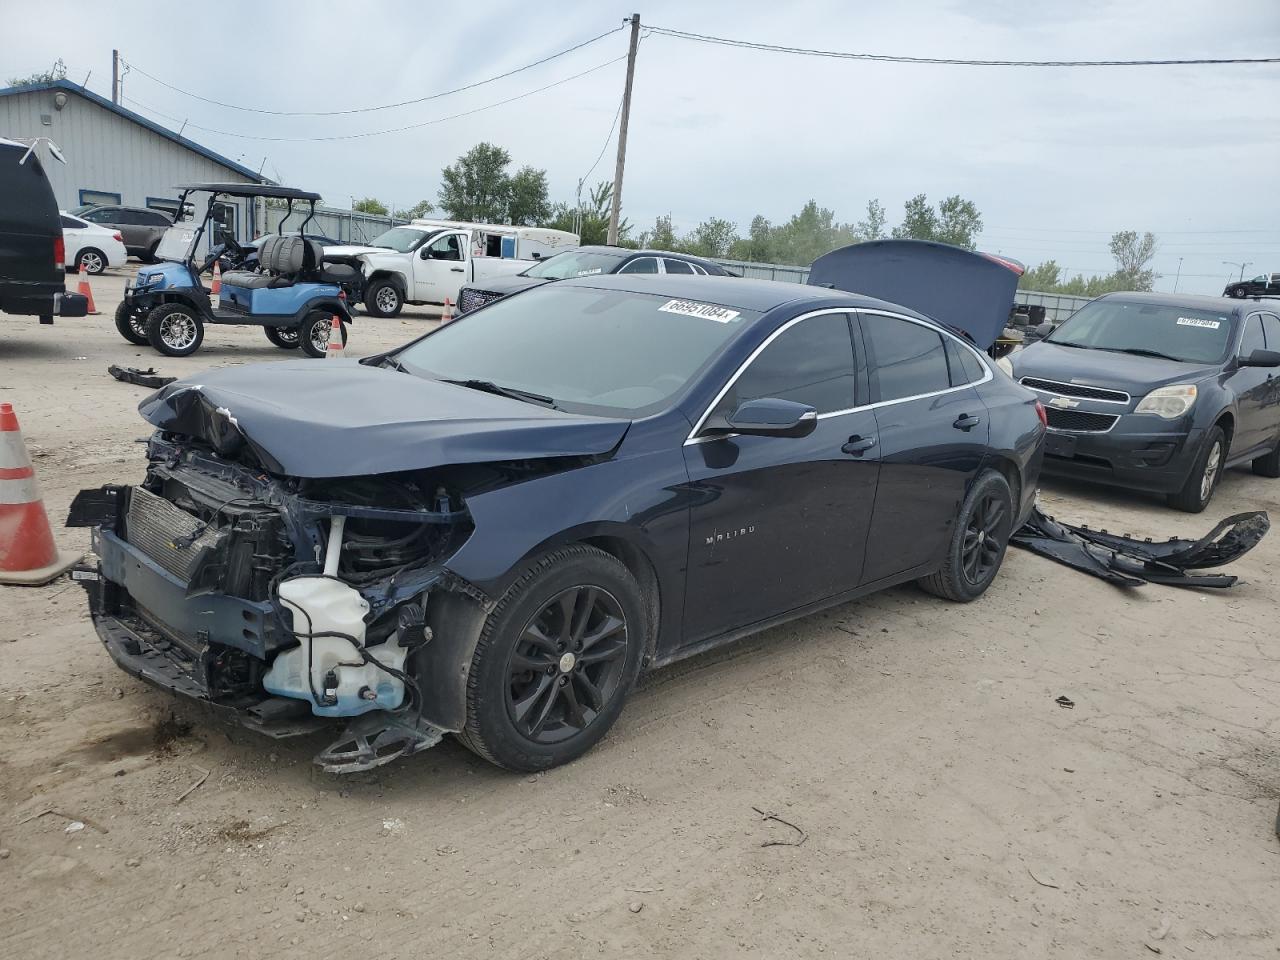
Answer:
[(932, 439)]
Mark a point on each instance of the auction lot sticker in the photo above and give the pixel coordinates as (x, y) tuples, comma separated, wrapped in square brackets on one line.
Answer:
[(708, 311), (1197, 322)]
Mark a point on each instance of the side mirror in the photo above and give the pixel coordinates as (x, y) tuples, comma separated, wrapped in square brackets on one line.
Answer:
[(1261, 358), (1044, 329), (771, 417)]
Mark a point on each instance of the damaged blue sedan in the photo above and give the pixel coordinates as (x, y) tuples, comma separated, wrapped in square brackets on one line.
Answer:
[(493, 530)]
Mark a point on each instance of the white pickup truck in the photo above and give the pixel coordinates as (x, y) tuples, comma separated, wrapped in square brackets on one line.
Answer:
[(427, 261)]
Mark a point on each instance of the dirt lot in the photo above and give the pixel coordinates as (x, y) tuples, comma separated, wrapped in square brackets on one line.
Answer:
[(950, 807)]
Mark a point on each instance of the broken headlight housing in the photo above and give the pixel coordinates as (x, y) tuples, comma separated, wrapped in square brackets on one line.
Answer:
[(1168, 402)]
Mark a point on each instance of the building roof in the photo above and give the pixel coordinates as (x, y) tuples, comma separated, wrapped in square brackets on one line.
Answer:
[(137, 118)]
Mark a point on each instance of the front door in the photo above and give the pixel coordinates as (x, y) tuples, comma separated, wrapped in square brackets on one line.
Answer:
[(440, 267), (779, 522), (933, 434)]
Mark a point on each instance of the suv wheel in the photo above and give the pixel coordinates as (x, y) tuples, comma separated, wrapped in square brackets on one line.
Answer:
[(1202, 480), (555, 660), (978, 543), (383, 299)]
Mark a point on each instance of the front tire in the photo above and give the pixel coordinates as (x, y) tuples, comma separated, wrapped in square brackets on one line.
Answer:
[(175, 330), (1204, 475), (1239, 292), (131, 324), (383, 299), (555, 661), (978, 543), (92, 259), (313, 335)]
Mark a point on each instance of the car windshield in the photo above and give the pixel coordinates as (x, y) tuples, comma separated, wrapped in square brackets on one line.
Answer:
[(82, 209), (574, 263), (1155, 329), (399, 239), (592, 351)]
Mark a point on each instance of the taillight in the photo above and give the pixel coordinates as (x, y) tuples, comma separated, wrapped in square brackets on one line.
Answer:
[(1044, 417), (59, 251), (118, 236)]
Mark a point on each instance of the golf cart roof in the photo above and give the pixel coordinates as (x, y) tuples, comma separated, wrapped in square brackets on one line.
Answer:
[(251, 190)]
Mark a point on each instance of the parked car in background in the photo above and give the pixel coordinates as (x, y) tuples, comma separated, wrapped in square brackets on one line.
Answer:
[(1159, 392), (492, 530), (1263, 285), (33, 278), (428, 261), (90, 245), (141, 227), (586, 262)]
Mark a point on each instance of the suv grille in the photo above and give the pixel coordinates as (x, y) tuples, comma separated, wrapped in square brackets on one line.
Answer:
[(471, 299), (1080, 421), (1075, 390)]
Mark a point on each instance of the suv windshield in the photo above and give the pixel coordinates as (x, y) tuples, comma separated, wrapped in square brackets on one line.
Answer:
[(1155, 329), (574, 263), (399, 239), (590, 351)]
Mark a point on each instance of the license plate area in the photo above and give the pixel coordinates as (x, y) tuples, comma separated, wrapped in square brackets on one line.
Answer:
[(1060, 445)]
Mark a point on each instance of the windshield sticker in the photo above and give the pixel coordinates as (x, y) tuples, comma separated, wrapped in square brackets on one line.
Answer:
[(589, 273), (1197, 322), (708, 311)]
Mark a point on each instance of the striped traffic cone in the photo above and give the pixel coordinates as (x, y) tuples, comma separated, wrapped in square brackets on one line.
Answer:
[(86, 291), (28, 555), (334, 350), (215, 293), (446, 315)]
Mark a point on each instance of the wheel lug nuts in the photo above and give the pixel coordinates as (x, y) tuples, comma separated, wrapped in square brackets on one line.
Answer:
[(563, 681), (551, 671)]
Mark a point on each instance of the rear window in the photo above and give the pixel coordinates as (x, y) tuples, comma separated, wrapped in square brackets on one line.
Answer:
[(1148, 329)]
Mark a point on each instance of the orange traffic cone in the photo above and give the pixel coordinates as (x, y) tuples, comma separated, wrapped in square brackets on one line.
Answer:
[(334, 350), (216, 292), (28, 555), (447, 315), (86, 291)]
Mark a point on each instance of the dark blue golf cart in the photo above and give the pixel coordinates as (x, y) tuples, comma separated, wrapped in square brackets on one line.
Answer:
[(292, 292)]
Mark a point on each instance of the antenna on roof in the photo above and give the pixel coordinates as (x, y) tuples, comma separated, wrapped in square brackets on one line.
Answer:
[(85, 82)]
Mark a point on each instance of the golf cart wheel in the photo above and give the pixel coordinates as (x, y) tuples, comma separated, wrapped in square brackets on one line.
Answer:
[(286, 338), (1202, 479), (93, 260), (1239, 292), (978, 542), (131, 324), (174, 329), (555, 660), (383, 299), (313, 335)]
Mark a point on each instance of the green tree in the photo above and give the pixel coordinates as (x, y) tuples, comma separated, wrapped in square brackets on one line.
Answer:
[(959, 222), (417, 211), (759, 243), (712, 238), (809, 234), (1133, 256), (1043, 278), (56, 72), (662, 236), (370, 205), (871, 228), (476, 187), (594, 229), (919, 220), (527, 203)]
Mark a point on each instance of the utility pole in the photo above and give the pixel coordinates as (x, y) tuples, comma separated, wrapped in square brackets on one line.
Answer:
[(115, 77), (622, 131), (1177, 276), (1233, 263)]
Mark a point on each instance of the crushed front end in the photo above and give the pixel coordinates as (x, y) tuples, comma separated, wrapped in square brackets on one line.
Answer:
[(283, 602)]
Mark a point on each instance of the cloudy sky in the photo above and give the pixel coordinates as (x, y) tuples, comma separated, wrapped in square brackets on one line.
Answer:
[(1056, 159)]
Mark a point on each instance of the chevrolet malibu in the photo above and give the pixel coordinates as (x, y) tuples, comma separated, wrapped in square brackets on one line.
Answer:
[(494, 529)]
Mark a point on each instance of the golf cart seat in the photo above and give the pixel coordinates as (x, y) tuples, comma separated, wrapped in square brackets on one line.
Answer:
[(282, 259)]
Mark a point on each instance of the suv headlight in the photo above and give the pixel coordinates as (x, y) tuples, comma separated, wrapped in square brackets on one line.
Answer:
[(1169, 402), (1005, 364)]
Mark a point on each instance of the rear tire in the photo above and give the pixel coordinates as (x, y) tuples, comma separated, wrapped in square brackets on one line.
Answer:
[(1268, 466), (978, 542), (1204, 475), (383, 299), (175, 330), (555, 660), (1239, 293), (286, 338), (131, 324), (92, 259), (313, 335)]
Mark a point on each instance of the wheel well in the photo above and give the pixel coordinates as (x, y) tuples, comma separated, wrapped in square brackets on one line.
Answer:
[(1228, 424), (640, 567), (396, 279), (1008, 470)]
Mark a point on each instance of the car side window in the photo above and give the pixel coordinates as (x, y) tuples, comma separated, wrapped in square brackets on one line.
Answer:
[(153, 219), (964, 366), (101, 216), (810, 362), (907, 359), (69, 224), (446, 248), (641, 265), (677, 266), (1253, 338), (1271, 330)]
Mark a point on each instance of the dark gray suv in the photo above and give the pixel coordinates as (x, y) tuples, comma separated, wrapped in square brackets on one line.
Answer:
[(141, 227)]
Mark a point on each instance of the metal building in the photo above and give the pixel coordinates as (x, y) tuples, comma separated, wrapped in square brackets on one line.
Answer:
[(117, 156)]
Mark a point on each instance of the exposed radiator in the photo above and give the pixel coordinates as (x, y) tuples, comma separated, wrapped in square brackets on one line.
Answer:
[(153, 525)]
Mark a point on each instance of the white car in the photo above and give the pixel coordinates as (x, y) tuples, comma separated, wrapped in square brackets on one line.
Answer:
[(94, 246)]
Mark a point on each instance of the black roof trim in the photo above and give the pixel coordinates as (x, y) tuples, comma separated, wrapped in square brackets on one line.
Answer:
[(251, 190)]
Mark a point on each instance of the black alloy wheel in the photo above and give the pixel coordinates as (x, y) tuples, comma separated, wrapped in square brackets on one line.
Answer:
[(567, 664), (978, 541), (981, 548)]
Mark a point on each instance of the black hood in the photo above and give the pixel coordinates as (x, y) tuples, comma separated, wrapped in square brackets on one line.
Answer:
[(507, 285), (1135, 375), (338, 418)]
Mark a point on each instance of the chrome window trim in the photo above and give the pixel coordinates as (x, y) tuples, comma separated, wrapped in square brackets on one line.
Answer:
[(693, 437), (1128, 396), (658, 260)]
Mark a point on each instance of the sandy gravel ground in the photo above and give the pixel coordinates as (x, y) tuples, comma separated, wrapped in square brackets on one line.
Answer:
[(949, 807)]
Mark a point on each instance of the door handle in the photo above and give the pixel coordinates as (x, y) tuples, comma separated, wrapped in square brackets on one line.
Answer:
[(455, 269), (858, 445), (966, 422)]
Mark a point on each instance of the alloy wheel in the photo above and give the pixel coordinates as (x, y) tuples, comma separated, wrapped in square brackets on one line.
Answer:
[(980, 551), (138, 324), (567, 664), (92, 262), (177, 330), (1212, 465), (320, 335)]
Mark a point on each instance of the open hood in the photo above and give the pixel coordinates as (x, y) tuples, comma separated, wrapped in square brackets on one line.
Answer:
[(312, 419), (972, 292)]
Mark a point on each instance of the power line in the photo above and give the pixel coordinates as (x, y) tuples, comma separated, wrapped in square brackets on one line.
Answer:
[(952, 61), (605, 145), (378, 133), (385, 106)]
